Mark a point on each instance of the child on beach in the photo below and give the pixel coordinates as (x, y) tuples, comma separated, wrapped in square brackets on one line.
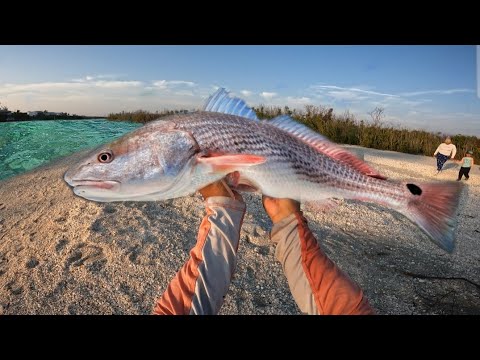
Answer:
[(466, 163)]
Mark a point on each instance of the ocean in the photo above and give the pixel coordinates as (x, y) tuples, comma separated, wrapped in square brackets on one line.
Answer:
[(25, 145)]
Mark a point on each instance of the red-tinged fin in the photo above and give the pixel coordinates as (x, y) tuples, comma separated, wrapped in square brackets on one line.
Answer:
[(322, 144), (230, 163), (433, 208)]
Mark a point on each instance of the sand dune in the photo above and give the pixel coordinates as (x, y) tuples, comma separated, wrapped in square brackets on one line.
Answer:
[(61, 254)]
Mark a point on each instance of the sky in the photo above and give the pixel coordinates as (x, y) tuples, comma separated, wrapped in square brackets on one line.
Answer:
[(427, 87)]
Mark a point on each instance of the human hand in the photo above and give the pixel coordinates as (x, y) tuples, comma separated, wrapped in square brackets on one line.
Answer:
[(279, 209), (219, 188)]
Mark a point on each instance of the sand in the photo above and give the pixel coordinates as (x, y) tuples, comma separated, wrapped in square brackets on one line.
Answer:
[(61, 254)]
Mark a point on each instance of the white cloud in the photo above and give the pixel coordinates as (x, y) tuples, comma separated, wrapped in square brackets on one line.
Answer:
[(90, 78), (46, 87), (291, 100), (365, 100), (117, 84), (98, 95), (246, 93), (181, 82), (438, 92), (349, 90), (268, 95), (346, 95), (109, 76), (167, 84)]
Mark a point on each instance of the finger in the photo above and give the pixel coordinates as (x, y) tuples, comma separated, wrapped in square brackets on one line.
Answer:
[(232, 195), (267, 199)]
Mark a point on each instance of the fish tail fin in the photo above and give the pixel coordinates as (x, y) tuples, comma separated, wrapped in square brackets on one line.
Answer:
[(433, 207)]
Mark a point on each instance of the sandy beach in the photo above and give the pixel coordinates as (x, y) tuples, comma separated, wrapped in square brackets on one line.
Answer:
[(61, 254)]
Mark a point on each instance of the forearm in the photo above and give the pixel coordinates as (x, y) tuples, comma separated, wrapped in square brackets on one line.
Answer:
[(317, 284), (201, 284)]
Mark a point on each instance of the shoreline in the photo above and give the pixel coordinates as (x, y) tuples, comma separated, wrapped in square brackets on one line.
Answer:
[(18, 121)]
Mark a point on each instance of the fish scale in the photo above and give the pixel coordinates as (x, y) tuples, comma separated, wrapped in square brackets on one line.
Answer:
[(286, 155), (281, 158)]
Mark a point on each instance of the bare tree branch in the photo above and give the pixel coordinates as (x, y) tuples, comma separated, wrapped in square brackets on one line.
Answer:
[(377, 115)]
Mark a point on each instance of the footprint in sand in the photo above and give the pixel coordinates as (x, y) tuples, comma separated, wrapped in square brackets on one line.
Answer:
[(90, 255), (32, 263), (14, 288), (60, 245), (134, 252)]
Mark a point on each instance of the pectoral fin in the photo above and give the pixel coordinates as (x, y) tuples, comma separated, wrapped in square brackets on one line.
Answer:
[(229, 163)]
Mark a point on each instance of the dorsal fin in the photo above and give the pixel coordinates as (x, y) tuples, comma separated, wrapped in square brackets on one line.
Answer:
[(221, 102), (322, 144)]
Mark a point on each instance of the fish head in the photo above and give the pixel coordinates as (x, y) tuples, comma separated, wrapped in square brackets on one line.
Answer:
[(145, 164)]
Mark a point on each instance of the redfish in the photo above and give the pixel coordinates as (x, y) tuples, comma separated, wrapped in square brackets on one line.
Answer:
[(179, 154)]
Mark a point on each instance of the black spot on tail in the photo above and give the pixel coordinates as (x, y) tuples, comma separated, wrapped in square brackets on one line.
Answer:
[(414, 189)]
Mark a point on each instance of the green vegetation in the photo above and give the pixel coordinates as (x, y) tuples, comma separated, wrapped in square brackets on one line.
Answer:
[(142, 116), (346, 129), (45, 115)]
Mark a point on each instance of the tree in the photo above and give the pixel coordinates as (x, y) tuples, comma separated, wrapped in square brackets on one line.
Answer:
[(329, 114), (377, 115)]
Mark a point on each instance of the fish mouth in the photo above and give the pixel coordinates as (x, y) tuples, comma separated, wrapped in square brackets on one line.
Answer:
[(95, 184)]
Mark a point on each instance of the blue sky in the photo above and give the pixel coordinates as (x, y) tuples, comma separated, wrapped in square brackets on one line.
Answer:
[(424, 87)]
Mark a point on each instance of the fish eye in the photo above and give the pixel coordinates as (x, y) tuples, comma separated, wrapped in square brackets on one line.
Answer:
[(105, 157)]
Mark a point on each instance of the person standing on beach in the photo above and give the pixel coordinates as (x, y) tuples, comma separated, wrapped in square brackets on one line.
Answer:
[(317, 284), (443, 152), (466, 165)]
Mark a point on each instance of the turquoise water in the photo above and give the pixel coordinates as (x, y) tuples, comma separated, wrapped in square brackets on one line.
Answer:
[(26, 145)]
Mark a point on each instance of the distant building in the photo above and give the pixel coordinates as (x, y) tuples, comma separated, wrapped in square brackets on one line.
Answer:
[(44, 113)]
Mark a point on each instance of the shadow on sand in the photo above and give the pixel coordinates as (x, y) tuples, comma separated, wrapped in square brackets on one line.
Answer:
[(450, 165)]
